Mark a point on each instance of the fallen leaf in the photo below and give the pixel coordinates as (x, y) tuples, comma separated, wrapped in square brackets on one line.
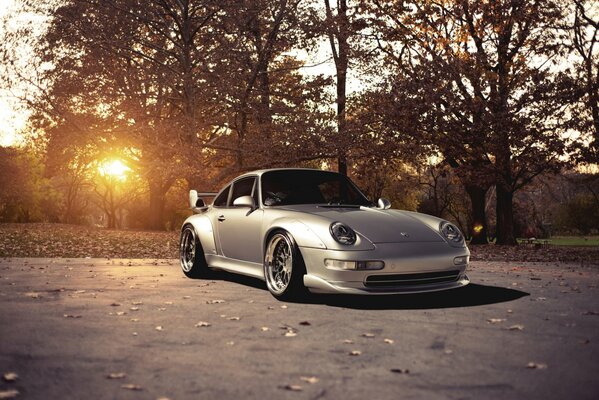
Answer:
[(368, 335), (265, 328), (348, 341), (495, 320), (533, 365), (448, 351), (400, 370), (231, 343), (131, 386), (168, 303), (10, 376), (134, 308), (516, 327), (389, 341), (134, 319), (293, 388), (309, 379), (202, 324), (217, 301), (284, 307), (305, 323), (116, 375), (234, 318), (33, 295), (115, 304), (290, 334), (187, 297), (355, 353), (121, 313), (71, 316), (137, 303), (158, 328), (9, 394)]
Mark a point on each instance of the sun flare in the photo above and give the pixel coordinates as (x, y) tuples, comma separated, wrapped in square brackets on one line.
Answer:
[(114, 168)]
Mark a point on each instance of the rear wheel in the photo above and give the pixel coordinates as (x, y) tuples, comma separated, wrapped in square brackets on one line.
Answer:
[(191, 254), (284, 267)]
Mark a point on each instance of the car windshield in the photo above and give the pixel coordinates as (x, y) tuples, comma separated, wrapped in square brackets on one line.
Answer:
[(286, 187)]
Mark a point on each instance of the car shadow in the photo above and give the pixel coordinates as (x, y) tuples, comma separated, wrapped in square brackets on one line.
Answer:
[(468, 296)]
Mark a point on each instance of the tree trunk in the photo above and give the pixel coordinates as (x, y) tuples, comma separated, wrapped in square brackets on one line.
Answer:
[(155, 219), (505, 217), (478, 229), (340, 52)]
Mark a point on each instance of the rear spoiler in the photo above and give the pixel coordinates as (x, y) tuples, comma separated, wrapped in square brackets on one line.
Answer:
[(196, 201)]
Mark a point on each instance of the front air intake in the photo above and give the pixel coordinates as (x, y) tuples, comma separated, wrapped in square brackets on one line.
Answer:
[(427, 278)]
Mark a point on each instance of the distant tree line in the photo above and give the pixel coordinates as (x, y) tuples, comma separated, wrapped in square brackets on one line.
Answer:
[(464, 105)]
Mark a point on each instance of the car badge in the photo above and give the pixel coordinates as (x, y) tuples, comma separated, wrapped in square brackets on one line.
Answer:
[(404, 234)]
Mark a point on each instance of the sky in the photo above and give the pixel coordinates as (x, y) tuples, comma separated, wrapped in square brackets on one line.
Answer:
[(11, 119)]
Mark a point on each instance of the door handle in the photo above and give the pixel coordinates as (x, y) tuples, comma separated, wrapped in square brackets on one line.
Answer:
[(221, 218)]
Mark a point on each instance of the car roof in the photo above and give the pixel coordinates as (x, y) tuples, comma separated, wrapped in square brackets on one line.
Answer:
[(260, 172)]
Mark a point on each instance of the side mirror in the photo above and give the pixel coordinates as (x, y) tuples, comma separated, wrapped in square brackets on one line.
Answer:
[(244, 201), (383, 204), (200, 203)]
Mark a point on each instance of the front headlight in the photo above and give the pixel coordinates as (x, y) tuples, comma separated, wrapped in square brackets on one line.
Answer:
[(451, 232), (342, 233)]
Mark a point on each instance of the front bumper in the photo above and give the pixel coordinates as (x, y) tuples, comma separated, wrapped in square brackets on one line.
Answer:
[(427, 258)]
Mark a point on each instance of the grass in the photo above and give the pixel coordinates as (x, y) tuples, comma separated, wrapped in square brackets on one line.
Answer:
[(578, 241), (575, 240)]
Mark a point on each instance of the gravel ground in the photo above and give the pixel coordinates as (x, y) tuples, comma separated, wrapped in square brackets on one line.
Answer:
[(137, 329)]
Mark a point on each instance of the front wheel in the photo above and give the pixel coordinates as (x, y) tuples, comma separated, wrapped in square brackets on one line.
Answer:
[(284, 268), (191, 254)]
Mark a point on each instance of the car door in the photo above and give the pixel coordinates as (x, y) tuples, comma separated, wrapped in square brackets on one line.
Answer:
[(239, 228)]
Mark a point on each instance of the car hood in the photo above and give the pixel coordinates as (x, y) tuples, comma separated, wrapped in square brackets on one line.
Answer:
[(378, 226)]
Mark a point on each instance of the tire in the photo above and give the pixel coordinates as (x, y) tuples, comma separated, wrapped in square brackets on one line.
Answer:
[(284, 267), (191, 255)]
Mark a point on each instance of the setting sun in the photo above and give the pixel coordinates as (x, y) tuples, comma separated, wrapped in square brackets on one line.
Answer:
[(114, 168)]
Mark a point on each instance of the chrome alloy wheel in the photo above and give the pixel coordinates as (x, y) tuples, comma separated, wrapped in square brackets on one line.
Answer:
[(187, 249), (278, 263)]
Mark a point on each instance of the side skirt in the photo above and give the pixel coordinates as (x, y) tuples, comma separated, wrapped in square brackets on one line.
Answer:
[(236, 266)]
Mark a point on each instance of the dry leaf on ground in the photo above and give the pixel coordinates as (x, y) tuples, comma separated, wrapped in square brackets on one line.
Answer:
[(293, 388), (131, 386), (309, 379), (10, 376), (9, 394)]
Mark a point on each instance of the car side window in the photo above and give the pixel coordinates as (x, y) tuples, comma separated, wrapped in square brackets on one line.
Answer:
[(243, 187), (221, 199)]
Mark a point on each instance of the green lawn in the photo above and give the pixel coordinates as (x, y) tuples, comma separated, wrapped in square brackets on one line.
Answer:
[(572, 240)]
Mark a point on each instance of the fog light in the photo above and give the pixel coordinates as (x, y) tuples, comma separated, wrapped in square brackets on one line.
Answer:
[(462, 260), (338, 264), (353, 265)]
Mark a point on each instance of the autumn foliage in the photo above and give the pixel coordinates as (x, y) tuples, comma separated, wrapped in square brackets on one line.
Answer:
[(482, 98)]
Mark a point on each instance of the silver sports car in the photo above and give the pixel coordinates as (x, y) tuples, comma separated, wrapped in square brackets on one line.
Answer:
[(306, 230)]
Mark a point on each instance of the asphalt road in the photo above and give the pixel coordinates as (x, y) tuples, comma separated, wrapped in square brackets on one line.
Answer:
[(520, 331)]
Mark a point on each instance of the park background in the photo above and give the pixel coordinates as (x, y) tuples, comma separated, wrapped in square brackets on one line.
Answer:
[(485, 113)]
